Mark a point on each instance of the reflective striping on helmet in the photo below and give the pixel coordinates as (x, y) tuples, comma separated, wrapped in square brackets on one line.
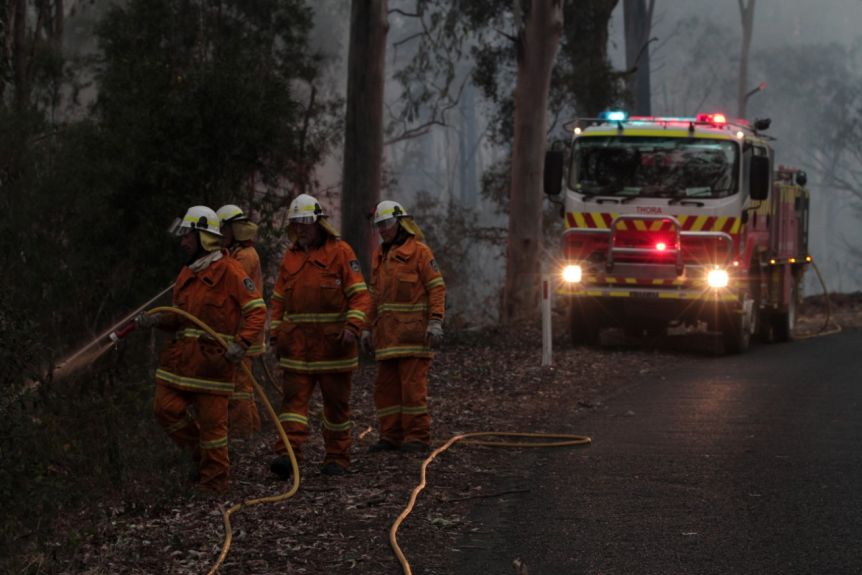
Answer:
[(388, 209), (230, 213), (304, 209), (200, 218)]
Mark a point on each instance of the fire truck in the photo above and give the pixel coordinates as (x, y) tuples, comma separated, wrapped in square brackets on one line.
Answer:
[(679, 222)]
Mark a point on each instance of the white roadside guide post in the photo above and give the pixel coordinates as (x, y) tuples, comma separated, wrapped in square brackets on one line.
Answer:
[(547, 341)]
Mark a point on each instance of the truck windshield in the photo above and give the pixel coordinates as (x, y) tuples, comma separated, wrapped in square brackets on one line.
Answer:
[(650, 167)]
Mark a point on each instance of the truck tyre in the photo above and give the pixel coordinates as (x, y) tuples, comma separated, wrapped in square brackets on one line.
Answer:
[(583, 323), (736, 328), (784, 322)]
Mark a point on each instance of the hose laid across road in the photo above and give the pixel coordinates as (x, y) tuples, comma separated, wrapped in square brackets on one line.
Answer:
[(466, 438)]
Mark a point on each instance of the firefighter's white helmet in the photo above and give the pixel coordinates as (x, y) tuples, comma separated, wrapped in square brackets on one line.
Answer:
[(199, 218), (388, 209), (304, 209), (230, 213)]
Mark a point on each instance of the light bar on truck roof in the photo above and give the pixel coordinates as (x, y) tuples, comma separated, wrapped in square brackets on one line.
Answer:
[(614, 116), (716, 119)]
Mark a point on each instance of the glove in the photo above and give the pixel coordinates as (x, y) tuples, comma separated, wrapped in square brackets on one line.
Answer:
[(148, 321), (347, 337), (434, 333), (365, 343), (235, 352)]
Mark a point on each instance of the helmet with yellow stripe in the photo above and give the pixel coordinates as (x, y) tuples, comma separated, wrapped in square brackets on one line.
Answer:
[(304, 209), (230, 213), (388, 210), (200, 218)]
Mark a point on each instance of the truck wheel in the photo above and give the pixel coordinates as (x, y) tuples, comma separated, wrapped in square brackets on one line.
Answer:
[(583, 323), (736, 328), (784, 322)]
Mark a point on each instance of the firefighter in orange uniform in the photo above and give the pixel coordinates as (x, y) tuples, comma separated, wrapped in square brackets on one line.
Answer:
[(195, 378), (407, 317), (238, 238), (319, 307)]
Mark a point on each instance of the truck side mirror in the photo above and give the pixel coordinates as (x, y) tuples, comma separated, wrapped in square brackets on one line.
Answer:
[(553, 177), (758, 179), (801, 178)]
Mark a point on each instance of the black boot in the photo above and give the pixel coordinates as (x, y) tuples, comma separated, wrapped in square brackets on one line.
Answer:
[(415, 447), (282, 467), (382, 445), (332, 468)]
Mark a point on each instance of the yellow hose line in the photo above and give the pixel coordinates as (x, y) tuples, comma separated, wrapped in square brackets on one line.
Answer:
[(272, 415), (568, 440)]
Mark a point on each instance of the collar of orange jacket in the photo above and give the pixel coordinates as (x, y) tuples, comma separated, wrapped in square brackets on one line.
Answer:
[(211, 275)]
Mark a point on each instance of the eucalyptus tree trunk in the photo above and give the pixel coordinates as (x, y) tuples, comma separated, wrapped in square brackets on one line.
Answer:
[(363, 138), (746, 13), (538, 41), (637, 22)]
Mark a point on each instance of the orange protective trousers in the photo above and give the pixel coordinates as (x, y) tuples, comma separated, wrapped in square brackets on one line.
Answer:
[(401, 399), (335, 389), (197, 422), (244, 416)]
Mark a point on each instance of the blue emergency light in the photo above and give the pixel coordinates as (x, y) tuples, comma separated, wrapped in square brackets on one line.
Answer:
[(614, 116)]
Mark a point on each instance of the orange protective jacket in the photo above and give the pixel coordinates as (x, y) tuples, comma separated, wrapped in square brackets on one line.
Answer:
[(247, 256), (318, 294), (408, 290), (226, 299)]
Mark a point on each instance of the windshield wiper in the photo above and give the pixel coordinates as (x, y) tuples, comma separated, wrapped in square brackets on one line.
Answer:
[(603, 191)]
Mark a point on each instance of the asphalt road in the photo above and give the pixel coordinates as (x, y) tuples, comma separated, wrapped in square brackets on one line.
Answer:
[(747, 464)]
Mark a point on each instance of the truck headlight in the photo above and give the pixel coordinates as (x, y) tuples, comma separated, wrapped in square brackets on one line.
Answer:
[(717, 278), (572, 274)]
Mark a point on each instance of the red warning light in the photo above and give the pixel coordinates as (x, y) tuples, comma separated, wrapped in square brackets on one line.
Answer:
[(714, 119), (661, 246)]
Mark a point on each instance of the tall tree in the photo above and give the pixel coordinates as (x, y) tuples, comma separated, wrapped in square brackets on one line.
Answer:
[(746, 13), (637, 22), (540, 28), (363, 141), (584, 82)]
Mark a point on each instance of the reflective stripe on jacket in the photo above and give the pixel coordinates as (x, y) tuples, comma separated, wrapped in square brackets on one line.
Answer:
[(223, 297), (407, 290), (247, 256), (318, 294)]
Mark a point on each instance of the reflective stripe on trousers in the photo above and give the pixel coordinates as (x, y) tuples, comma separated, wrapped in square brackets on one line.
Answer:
[(401, 398), (336, 424), (205, 435)]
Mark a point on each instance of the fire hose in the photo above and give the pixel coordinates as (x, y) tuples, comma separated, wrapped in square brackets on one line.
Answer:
[(465, 438), (226, 513)]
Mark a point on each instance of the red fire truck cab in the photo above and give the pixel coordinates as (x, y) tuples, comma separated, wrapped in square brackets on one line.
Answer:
[(681, 220)]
